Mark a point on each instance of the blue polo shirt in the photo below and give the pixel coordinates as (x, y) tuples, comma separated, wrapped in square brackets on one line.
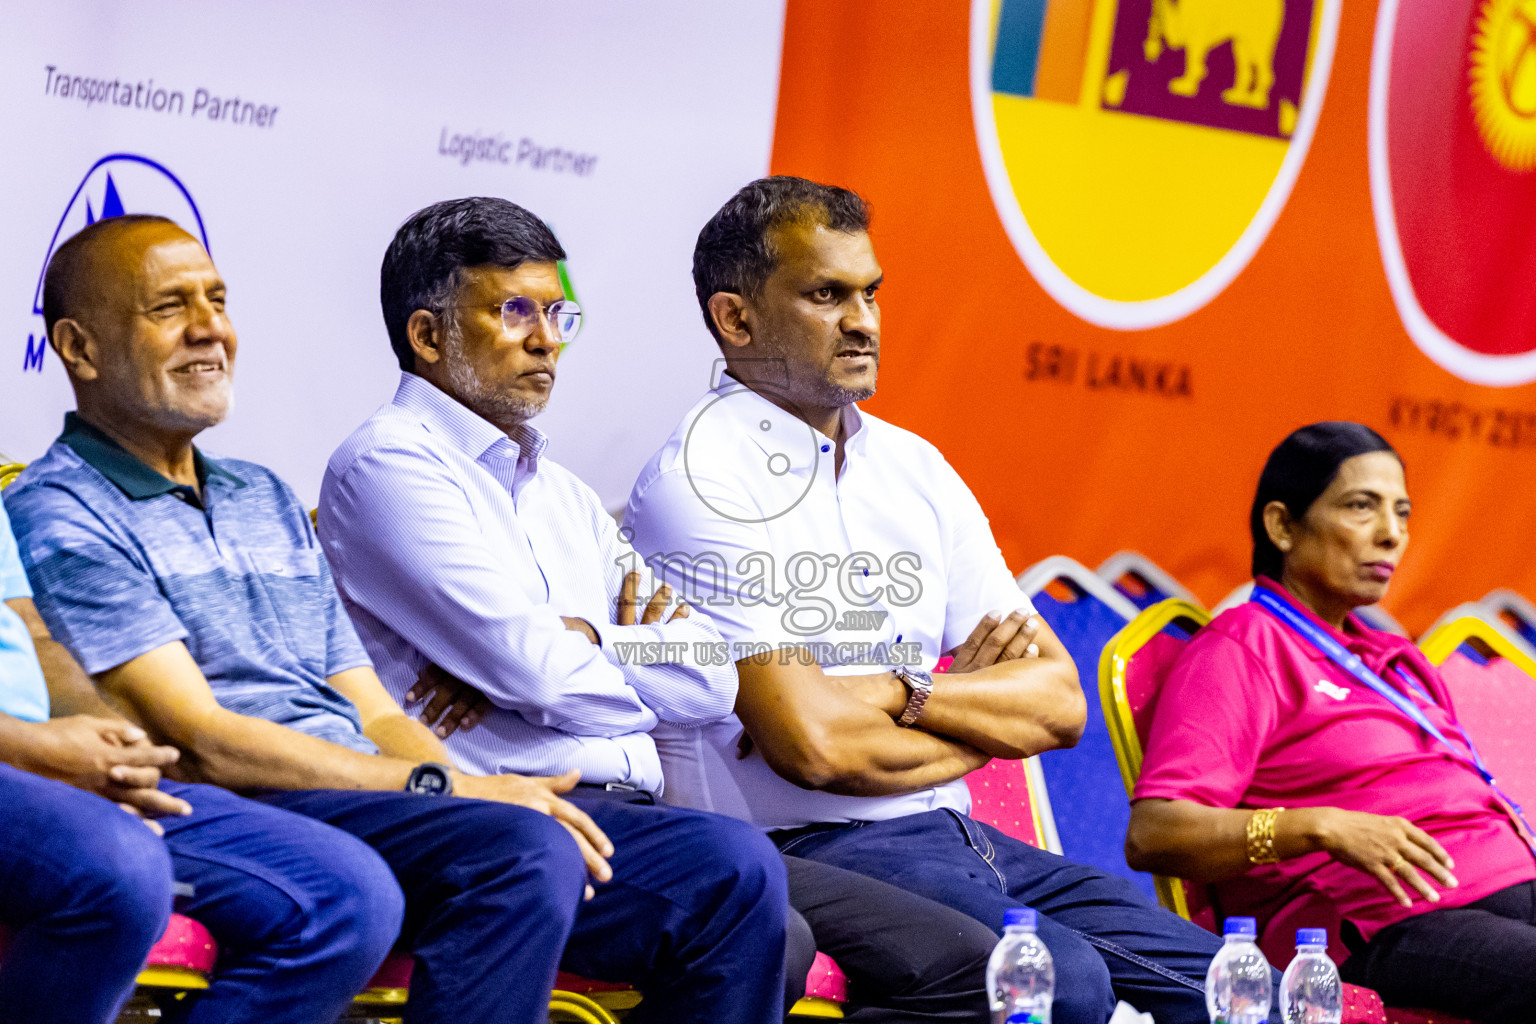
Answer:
[(22, 692), (123, 560)]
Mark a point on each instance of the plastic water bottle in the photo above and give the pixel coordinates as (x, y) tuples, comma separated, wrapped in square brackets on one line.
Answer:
[(1310, 991), (1020, 976), (1237, 987)]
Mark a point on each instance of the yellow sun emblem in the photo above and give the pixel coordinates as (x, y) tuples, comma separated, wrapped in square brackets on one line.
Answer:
[(1504, 81)]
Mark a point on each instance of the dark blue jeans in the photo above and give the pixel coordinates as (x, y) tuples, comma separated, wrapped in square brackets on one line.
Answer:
[(1107, 941), (86, 891), (303, 890)]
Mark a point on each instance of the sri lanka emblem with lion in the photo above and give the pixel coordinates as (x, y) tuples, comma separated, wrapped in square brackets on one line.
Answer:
[(1199, 26)]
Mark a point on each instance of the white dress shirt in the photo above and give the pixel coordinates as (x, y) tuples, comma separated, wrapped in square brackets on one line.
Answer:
[(742, 511), (456, 544)]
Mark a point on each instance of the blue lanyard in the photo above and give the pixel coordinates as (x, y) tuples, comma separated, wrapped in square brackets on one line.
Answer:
[(1350, 662)]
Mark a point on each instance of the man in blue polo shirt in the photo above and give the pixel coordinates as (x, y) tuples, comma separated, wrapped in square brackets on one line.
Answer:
[(196, 594)]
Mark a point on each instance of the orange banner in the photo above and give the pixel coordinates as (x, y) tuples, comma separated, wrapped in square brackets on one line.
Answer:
[(1130, 244)]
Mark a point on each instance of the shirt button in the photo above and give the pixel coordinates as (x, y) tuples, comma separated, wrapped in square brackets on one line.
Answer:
[(826, 447)]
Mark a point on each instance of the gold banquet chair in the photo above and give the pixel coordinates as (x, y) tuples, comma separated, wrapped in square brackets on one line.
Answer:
[(1131, 673), (1491, 676)]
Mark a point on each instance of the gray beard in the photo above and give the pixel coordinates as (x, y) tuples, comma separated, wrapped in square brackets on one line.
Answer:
[(503, 410), (170, 418)]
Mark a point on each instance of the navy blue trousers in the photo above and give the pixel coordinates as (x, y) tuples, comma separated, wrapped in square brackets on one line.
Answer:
[(1106, 939), (307, 891), (86, 891)]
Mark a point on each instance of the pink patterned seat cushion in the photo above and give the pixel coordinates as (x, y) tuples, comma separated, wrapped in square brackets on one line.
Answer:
[(184, 944), (1398, 1016), (1363, 1006), (1495, 703), (1000, 797), (826, 980), (576, 983)]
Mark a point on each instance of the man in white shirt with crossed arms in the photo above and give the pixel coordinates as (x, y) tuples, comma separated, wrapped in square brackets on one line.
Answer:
[(841, 557)]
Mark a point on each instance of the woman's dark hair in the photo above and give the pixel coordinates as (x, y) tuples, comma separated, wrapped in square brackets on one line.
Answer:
[(422, 266), (1299, 470)]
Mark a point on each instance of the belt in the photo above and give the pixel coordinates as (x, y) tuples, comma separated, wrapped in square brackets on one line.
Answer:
[(622, 792)]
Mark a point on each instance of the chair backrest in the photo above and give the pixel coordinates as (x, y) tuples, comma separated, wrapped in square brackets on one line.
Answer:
[(1089, 818), (1008, 795), (1493, 684), (1472, 621), (1508, 607), (1140, 580), (1131, 673)]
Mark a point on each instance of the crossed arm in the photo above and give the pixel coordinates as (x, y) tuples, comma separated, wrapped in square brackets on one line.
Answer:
[(839, 733), (1012, 692), (450, 705)]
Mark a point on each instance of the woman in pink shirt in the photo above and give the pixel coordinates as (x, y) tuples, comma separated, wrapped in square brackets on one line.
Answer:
[(1318, 789)]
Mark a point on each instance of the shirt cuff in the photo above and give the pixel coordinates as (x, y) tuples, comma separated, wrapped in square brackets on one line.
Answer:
[(618, 643)]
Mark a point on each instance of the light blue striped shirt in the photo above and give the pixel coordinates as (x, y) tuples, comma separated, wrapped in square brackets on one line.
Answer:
[(456, 544)]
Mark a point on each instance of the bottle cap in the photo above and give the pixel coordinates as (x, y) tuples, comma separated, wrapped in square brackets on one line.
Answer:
[(1311, 936), (1246, 926), (1019, 916)]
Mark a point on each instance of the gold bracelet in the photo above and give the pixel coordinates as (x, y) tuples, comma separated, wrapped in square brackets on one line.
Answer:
[(1261, 836)]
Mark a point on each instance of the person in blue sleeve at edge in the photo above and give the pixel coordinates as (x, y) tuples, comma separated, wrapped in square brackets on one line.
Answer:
[(87, 888), (195, 593)]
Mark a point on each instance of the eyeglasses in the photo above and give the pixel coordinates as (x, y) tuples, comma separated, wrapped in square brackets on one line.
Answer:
[(520, 316)]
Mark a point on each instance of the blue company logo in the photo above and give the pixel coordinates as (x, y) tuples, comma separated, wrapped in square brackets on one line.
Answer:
[(115, 185)]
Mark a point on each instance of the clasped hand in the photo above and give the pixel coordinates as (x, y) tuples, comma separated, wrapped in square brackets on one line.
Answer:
[(108, 757)]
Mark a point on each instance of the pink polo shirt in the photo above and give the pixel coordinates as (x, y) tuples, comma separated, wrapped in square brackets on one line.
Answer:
[(1252, 715)]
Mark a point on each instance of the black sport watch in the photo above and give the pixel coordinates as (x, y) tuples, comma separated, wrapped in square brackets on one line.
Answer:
[(430, 779)]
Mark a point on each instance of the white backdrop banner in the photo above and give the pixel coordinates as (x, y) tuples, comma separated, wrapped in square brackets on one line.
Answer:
[(293, 138)]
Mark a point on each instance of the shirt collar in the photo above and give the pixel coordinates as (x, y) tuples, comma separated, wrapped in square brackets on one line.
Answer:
[(751, 410), (465, 429), (127, 471), (1373, 646)]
